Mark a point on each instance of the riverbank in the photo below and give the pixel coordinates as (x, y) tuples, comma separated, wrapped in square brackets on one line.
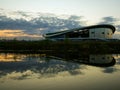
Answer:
[(67, 46)]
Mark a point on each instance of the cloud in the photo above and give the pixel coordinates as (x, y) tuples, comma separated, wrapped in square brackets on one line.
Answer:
[(18, 34), (113, 21), (51, 24), (118, 28), (116, 34), (108, 20), (36, 26), (8, 23), (39, 24)]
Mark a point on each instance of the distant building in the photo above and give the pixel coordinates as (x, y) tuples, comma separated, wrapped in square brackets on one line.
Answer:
[(89, 32)]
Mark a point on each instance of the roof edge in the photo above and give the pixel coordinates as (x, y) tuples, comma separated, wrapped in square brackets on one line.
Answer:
[(87, 27)]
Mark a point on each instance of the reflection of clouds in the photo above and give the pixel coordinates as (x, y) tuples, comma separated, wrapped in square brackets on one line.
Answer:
[(28, 74), (110, 70), (117, 59), (115, 68), (18, 75), (35, 66), (10, 57), (75, 72), (34, 73)]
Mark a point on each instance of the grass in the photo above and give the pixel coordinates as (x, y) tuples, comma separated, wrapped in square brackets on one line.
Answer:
[(47, 46)]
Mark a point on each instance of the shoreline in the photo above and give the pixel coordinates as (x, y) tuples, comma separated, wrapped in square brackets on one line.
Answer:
[(67, 46)]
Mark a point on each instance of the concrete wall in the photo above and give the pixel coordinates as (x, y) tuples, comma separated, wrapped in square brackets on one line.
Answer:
[(100, 33)]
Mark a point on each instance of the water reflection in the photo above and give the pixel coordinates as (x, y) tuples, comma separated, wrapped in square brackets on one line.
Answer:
[(23, 66), (94, 59)]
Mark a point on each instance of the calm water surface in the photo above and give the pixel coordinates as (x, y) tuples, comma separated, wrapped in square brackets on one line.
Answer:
[(59, 72)]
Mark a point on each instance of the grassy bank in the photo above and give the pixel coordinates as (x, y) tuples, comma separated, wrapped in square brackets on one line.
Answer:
[(46, 46)]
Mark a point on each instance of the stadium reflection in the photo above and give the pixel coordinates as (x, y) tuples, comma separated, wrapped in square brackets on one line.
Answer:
[(46, 64), (101, 60)]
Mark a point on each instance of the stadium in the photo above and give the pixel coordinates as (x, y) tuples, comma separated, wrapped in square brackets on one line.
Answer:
[(103, 32)]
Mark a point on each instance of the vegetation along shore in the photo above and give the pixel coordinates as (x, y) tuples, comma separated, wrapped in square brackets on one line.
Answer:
[(47, 46)]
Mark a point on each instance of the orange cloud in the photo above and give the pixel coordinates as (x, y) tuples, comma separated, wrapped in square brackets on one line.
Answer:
[(17, 34), (10, 33)]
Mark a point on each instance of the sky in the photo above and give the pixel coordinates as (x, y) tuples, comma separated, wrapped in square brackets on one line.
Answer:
[(92, 11)]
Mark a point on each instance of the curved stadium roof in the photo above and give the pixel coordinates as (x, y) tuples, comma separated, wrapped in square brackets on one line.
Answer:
[(82, 28)]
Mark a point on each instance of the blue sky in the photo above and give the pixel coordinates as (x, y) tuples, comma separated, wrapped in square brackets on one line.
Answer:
[(92, 10)]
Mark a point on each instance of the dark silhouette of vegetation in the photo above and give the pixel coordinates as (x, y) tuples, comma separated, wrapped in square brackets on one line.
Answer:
[(47, 46)]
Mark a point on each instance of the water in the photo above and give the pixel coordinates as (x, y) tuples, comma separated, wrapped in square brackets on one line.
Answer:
[(59, 72)]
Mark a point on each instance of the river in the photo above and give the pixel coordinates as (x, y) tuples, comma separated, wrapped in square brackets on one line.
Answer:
[(59, 72)]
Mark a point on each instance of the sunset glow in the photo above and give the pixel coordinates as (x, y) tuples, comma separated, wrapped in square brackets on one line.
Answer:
[(10, 58), (16, 34)]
